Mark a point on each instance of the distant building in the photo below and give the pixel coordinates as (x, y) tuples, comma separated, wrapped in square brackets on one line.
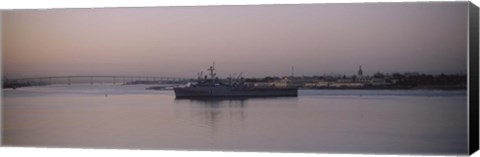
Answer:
[(292, 82), (363, 79), (318, 83), (280, 84), (262, 84), (378, 82), (347, 85)]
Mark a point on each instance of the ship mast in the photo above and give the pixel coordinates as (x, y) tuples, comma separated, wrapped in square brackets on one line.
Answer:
[(212, 73)]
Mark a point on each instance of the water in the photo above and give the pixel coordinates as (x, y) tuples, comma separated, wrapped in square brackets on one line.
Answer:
[(343, 121)]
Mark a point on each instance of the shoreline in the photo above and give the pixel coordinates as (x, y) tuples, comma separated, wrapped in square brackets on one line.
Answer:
[(390, 88)]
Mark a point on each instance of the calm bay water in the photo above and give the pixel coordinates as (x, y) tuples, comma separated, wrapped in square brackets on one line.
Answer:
[(345, 121)]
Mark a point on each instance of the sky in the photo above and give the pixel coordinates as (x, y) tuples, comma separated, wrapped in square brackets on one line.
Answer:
[(258, 40)]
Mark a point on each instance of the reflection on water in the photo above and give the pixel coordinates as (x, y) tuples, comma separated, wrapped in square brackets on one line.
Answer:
[(209, 114), (210, 111), (347, 121), (214, 102), (228, 102)]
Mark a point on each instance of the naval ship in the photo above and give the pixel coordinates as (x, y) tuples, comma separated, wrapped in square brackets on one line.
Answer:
[(211, 86)]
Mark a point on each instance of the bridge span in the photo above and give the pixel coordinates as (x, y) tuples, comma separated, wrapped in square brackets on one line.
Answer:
[(93, 79)]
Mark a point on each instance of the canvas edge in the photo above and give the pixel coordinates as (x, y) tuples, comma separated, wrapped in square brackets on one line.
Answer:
[(473, 82)]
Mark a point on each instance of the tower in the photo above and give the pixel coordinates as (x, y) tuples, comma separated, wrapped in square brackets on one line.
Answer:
[(293, 72), (360, 72)]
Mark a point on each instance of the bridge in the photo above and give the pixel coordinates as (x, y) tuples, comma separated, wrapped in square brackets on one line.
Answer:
[(92, 79)]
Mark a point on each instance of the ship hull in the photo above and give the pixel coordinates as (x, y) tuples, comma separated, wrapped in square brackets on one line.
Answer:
[(233, 92)]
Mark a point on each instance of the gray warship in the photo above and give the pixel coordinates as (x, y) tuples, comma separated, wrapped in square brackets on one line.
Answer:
[(205, 87)]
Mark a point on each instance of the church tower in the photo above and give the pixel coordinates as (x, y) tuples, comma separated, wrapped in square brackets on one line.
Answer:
[(360, 72)]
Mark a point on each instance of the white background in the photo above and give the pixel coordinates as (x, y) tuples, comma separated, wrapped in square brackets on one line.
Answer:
[(52, 152)]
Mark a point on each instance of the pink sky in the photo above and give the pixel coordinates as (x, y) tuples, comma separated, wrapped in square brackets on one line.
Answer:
[(259, 41)]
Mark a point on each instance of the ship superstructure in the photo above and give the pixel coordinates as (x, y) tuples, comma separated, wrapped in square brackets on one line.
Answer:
[(212, 86)]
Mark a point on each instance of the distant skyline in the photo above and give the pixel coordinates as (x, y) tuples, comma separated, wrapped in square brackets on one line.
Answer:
[(258, 40)]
